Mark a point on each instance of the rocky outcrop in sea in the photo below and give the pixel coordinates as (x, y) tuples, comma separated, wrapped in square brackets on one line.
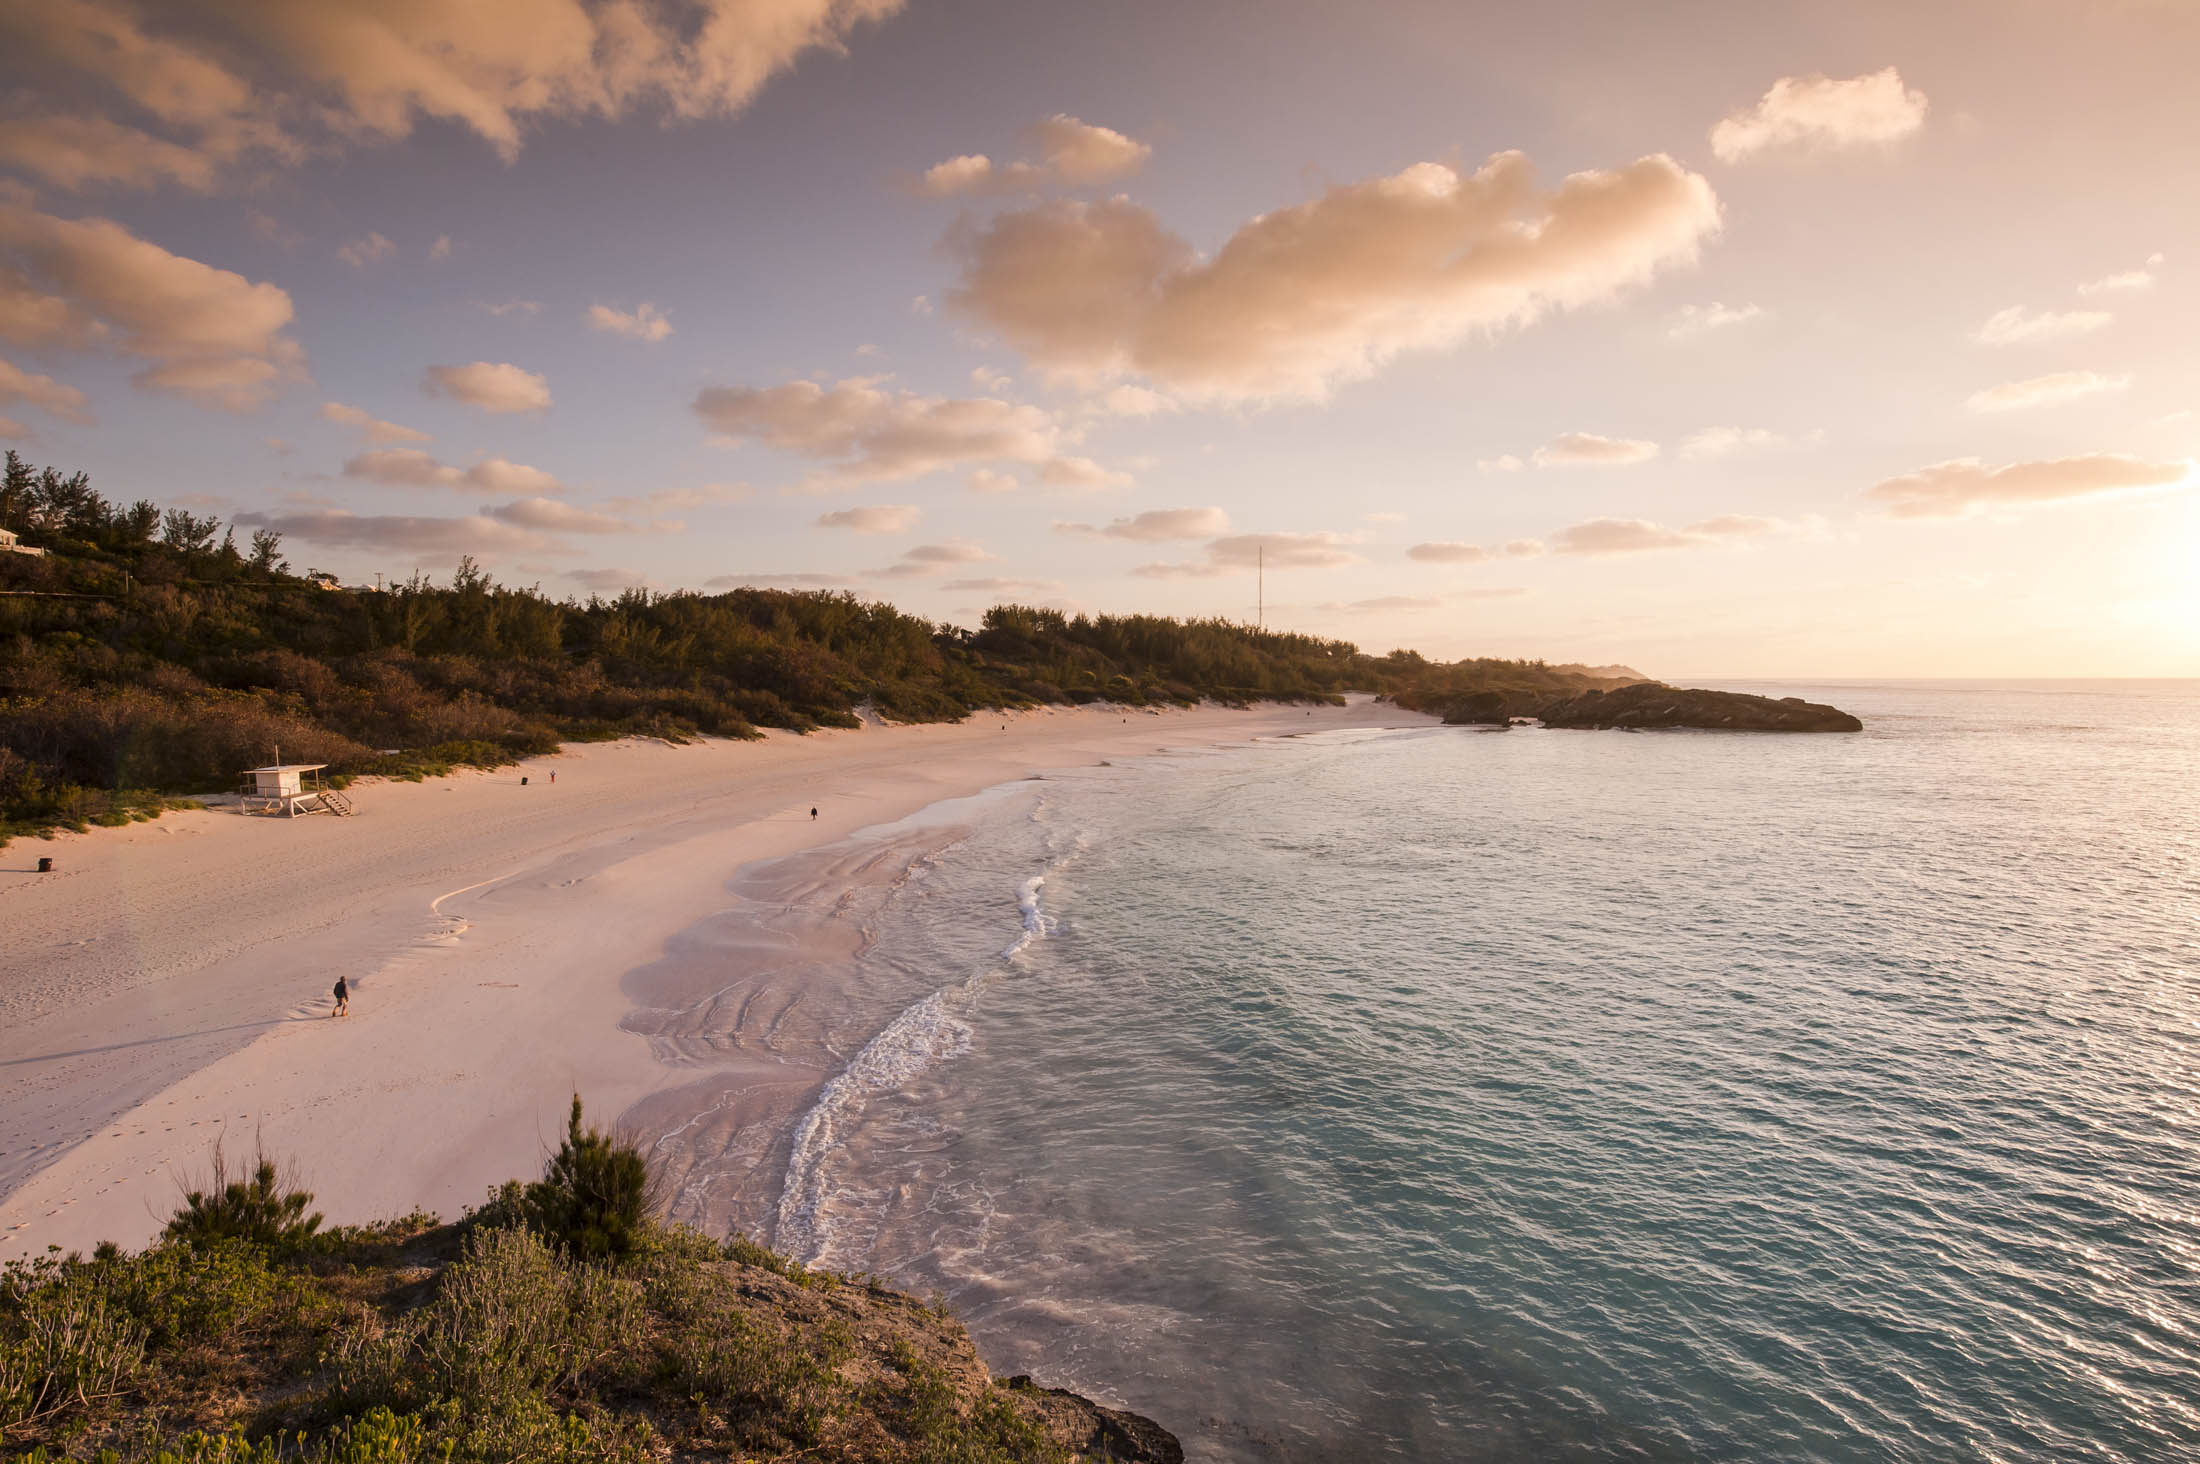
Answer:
[(1654, 704)]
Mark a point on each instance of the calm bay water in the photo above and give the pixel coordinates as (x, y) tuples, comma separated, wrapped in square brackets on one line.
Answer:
[(1450, 1094)]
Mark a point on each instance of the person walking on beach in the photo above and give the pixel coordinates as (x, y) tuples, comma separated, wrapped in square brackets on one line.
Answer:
[(813, 813), (343, 998)]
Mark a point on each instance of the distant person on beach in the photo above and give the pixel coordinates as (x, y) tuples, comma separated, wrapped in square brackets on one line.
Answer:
[(343, 998), (553, 777), (813, 813)]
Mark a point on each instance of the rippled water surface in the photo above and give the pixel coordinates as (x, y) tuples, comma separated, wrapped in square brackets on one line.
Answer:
[(1449, 1094)]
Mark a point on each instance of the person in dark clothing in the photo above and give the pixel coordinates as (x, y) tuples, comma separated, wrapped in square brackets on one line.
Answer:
[(813, 813), (343, 998)]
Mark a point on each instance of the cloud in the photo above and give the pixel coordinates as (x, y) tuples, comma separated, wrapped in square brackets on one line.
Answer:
[(1239, 552), (491, 386), (1326, 291), (1525, 548), (1503, 463), (646, 323), (1601, 536), (1157, 525), (1448, 551), (13, 430), (1001, 586), (1587, 449), (555, 517), (1691, 321), (1080, 152), (375, 429), (209, 334), (2124, 281), (360, 253), (969, 173), (409, 467), (1967, 485), (1132, 401), (1069, 151), (2042, 391), (444, 538), (985, 480), (930, 559), (804, 580), (1819, 113), (251, 73), (513, 307), (73, 152), (679, 500), (2018, 326), (497, 475), (441, 248), (1719, 442), (1382, 604), (601, 580), (864, 434), (1080, 473), (880, 518), (42, 392)]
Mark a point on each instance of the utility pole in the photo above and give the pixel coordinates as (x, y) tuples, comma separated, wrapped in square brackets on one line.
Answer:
[(1260, 587)]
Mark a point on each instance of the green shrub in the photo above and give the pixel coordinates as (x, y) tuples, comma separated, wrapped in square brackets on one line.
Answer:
[(255, 1209), (64, 1349), (511, 1325), (940, 1431), (593, 1195)]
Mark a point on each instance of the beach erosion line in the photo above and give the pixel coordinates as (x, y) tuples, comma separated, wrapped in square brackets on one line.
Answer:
[(924, 1035)]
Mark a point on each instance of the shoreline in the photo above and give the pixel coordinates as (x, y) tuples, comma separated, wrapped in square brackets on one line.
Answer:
[(168, 985)]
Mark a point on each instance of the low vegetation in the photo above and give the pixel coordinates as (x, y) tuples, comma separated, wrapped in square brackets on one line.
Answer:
[(250, 1337), (146, 654)]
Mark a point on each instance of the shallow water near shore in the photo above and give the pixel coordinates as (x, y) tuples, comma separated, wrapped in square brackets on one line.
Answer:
[(1450, 1094)]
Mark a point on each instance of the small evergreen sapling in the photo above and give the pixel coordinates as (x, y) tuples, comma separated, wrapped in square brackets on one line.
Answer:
[(592, 1195)]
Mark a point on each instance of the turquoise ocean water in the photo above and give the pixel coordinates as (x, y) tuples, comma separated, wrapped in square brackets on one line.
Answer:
[(1450, 1094)]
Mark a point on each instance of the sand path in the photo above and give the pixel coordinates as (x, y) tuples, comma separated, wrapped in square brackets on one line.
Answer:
[(169, 984)]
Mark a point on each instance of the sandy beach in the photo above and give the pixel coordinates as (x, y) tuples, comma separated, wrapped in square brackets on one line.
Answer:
[(169, 985)]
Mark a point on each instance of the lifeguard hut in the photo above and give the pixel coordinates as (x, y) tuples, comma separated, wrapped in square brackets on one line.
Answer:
[(287, 790)]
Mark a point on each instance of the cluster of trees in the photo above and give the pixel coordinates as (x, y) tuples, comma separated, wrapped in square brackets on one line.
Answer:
[(146, 654)]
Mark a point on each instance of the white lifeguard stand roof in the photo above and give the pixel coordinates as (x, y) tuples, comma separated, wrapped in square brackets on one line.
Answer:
[(280, 780)]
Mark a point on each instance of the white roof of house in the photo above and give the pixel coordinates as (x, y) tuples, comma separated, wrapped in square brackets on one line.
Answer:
[(288, 768)]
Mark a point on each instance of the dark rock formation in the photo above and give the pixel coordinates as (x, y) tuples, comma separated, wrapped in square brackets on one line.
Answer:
[(1653, 704), (1093, 1432), (1482, 709)]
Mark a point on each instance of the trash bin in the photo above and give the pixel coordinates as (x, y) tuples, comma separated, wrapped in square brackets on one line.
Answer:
[(45, 866)]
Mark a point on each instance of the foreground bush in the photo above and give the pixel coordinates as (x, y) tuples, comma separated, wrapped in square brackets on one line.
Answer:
[(557, 1323), (481, 1345)]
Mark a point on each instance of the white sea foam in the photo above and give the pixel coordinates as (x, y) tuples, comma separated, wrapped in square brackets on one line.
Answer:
[(923, 1036), (1035, 918)]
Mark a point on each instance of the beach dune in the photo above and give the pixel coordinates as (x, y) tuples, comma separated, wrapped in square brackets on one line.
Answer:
[(169, 985)]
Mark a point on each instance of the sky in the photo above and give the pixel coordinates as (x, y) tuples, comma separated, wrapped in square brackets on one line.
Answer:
[(1720, 339)]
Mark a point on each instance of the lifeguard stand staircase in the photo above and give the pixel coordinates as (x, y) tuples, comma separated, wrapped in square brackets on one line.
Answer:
[(286, 790)]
